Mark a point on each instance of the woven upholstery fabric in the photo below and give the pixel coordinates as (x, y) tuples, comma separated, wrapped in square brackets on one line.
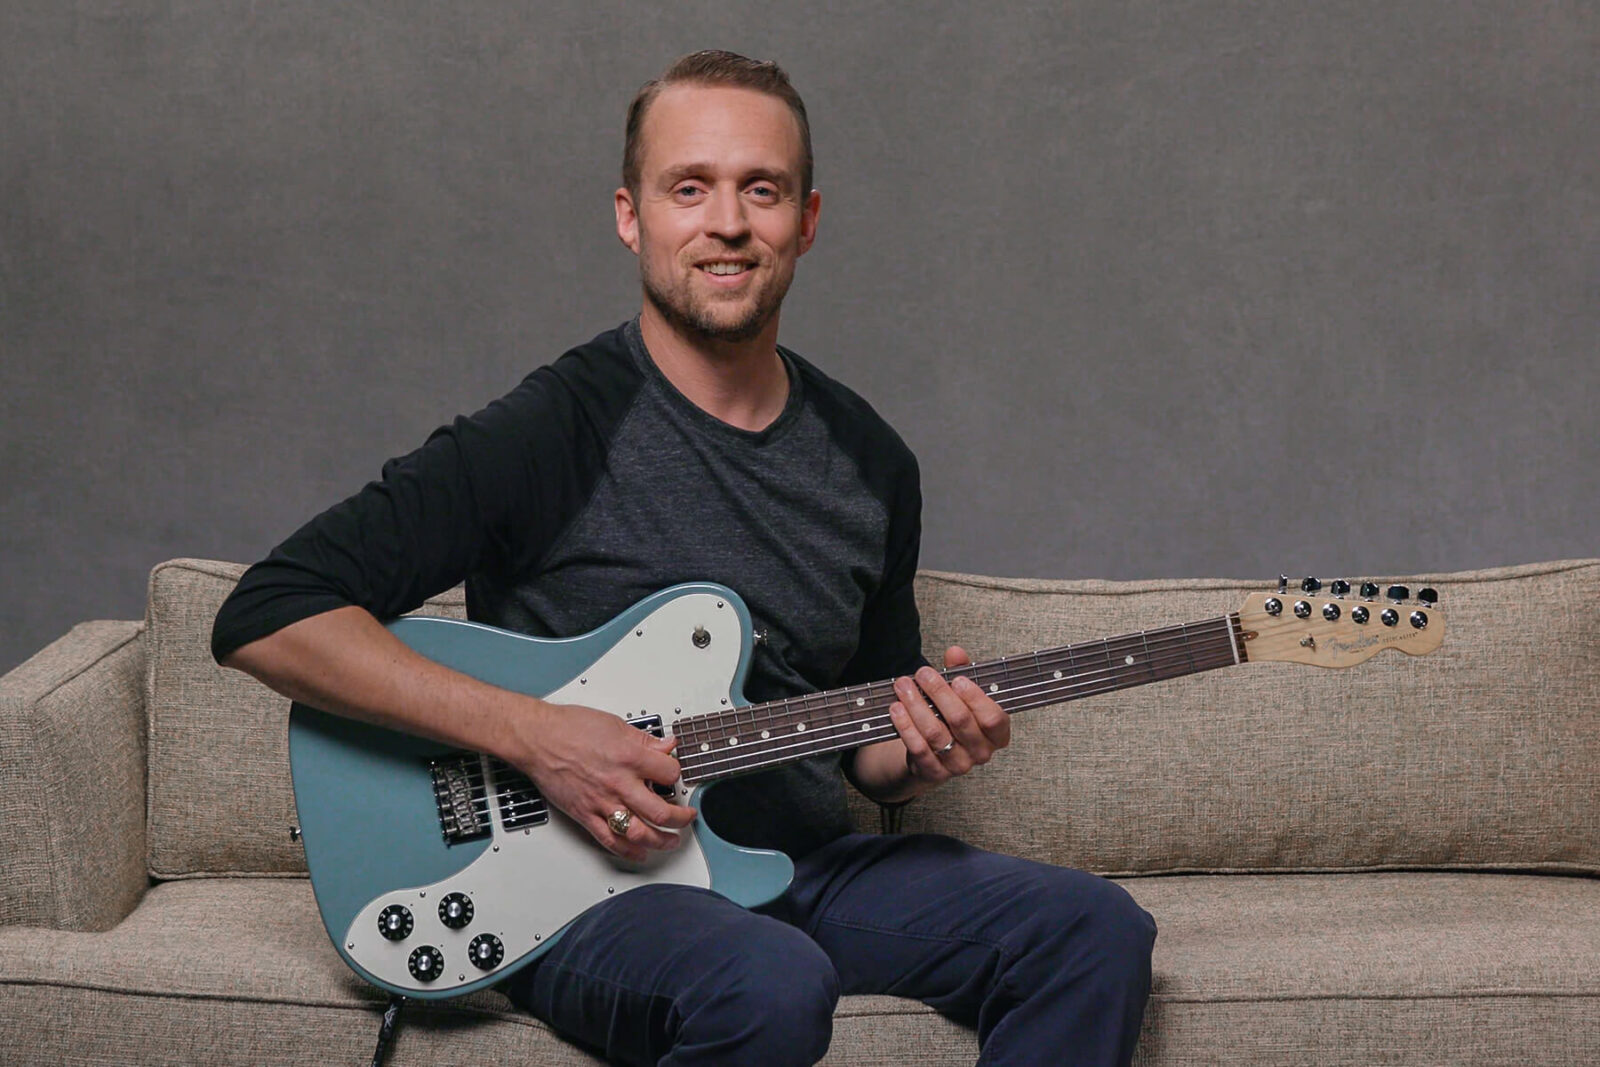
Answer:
[(72, 781), (1373, 968), (221, 801), (1485, 754), (239, 971), (1264, 969)]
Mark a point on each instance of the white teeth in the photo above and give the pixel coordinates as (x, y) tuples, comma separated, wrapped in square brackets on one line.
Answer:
[(725, 268)]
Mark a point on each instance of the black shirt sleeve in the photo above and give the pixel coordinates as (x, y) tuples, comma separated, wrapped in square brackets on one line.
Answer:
[(488, 493)]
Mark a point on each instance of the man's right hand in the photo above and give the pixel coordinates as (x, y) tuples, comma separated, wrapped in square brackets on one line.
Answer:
[(590, 764)]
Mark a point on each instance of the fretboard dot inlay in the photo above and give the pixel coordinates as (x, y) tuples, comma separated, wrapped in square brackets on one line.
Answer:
[(994, 687), (705, 747), (1058, 675), (865, 727), (799, 727), (1128, 660), (765, 734), (861, 702), (732, 741)]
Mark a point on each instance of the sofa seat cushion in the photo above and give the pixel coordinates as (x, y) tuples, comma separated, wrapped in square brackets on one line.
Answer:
[(239, 971), (1259, 969), (1396, 967)]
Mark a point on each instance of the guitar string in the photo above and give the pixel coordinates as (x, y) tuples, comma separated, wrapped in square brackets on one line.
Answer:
[(723, 762), (829, 735), (837, 700), (699, 765), (863, 730), (1092, 681)]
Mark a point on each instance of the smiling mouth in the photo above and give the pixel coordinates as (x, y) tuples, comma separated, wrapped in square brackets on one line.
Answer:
[(724, 270)]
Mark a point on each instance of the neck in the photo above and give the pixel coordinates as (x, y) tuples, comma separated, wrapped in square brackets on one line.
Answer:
[(757, 736), (741, 383)]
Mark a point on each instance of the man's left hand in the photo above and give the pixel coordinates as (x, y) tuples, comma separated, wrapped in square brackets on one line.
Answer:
[(947, 728)]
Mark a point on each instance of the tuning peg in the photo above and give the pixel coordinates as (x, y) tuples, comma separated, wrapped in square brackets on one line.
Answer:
[(1429, 597), (1397, 593), (1283, 583), (1310, 585), (1369, 590), (1340, 587)]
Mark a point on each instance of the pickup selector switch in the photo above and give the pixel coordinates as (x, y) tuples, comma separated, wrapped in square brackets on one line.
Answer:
[(455, 910), (395, 922), (426, 963), (486, 952)]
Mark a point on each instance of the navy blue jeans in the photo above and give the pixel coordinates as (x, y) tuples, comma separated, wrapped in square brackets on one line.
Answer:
[(1049, 965)]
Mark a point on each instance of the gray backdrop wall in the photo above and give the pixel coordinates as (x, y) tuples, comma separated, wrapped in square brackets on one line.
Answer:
[(1153, 288)]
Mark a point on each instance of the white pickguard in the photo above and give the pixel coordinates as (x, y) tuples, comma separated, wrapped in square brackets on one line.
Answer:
[(530, 883)]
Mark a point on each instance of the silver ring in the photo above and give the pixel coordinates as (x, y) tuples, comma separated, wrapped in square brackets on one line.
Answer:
[(619, 822), (947, 748)]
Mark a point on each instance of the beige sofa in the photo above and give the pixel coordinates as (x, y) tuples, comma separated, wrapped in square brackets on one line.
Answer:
[(1393, 863)]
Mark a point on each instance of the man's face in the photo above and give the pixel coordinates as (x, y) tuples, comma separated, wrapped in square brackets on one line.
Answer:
[(720, 217)]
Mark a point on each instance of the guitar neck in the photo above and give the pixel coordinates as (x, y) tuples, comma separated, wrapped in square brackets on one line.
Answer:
[(760, 736)]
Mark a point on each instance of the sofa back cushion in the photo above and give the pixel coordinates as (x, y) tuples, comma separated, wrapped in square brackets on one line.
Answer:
[(220, 797), (1484, 754)]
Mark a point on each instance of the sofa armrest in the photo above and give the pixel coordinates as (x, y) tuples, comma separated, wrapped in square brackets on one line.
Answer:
[(72, 781)]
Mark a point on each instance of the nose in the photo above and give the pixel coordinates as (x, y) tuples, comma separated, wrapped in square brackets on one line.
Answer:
[(725, 215)]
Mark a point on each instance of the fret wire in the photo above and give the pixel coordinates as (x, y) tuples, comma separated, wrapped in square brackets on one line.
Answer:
[(750, 763), (1038, 694), (1067, 658)]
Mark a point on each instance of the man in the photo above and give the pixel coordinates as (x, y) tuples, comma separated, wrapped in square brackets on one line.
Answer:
[(687, 445)]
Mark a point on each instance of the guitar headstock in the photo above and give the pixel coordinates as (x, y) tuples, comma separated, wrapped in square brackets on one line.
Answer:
[(1337, 629)]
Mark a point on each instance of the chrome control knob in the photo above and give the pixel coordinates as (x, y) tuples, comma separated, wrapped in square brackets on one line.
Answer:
[(426, 963), (486, 952), (395, 922), (455, 910)]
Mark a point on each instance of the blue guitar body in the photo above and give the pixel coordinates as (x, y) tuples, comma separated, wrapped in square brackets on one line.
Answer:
[(437, 871)]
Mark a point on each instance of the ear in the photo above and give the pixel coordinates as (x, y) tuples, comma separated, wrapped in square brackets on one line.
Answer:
[(627, 219), (808, 220)]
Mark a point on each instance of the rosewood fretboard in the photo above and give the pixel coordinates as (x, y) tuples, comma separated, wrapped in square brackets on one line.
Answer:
[(750, 738)]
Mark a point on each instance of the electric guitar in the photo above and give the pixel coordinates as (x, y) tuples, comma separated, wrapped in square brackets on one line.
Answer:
[(438, 871)]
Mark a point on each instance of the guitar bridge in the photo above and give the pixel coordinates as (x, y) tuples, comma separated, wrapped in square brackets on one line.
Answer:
[(461, 796)]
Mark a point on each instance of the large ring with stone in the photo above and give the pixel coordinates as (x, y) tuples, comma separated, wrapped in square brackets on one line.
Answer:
[(619, 822), (947, 748)]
